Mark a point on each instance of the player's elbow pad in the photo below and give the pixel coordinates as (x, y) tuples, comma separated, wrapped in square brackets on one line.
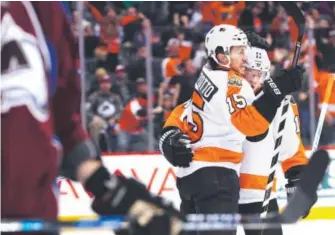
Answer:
[(267, 106)]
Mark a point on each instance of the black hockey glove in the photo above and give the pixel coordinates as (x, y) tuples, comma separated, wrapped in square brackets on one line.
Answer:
[(275, 89), (286, 82), (257, 41), (117, 195), (175, 147), (293, 178)]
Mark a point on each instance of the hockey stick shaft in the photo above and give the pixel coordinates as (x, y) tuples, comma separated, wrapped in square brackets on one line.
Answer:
[(276, 152), (295, 12), (323, 113)]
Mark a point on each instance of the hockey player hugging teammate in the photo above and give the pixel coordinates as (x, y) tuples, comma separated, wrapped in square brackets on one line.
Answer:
[(258, 150), (204, 136)]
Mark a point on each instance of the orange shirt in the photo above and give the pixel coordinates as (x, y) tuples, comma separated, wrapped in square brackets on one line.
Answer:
[(95, 12), (129, 121), (323, 80), (111, 45), (209, 11), (185, 50), (170, 67), (232, 13), (128, 19)]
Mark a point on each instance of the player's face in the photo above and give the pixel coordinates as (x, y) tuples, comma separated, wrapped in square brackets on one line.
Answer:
[(238, 58), (254, 77)]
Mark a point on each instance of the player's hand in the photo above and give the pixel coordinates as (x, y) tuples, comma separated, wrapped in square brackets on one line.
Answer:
[(117, 195), (286, 82), (175, 146)]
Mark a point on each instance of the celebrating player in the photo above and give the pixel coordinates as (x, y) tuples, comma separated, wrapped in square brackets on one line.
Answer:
[(258, 150), (31, 114), (204, 136)]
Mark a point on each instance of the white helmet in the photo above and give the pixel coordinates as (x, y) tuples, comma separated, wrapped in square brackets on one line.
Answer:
[(258, 59), (224, 36)]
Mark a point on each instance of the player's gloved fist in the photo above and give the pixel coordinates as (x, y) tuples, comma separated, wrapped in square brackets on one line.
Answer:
[(117, 195), (257, 41), (175, 146), (286, 82)]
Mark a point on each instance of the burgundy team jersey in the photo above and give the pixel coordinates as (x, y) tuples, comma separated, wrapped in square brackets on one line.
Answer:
[(30, 114)]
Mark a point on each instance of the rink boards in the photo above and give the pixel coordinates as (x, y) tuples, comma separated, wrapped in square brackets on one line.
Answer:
[(159, 177)]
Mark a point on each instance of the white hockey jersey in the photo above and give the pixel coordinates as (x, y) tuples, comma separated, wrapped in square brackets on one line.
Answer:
[(258, 156), (217, 119)]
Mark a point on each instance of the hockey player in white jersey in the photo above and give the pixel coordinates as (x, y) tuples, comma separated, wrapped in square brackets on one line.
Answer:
[(203, 137), (258, 150)]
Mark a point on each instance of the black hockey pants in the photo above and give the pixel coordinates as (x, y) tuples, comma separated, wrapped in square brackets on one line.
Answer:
[(255, 208), (209, 190)]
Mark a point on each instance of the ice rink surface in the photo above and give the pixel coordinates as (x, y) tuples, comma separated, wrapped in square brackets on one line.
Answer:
[(317, 227)]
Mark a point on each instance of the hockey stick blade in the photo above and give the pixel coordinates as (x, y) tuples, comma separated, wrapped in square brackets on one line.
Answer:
[(304, 196)]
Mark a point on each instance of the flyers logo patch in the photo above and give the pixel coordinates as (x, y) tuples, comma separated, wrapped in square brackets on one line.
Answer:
[(235, 81)]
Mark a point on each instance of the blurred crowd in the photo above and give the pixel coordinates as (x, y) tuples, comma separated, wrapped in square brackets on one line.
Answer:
[(117, 36)]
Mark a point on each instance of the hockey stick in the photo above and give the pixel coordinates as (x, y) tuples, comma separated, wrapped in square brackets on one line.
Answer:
[(323, 114), (300, 202), (299, 20)]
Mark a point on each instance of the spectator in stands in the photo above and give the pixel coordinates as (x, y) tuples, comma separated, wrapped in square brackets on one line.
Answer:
[(132, 136), (136, 69), (162, 116), (180, 41), (229, 12), (108, 49), (104, 109), (302, 99), (185, 46), (326, 46), (91, 41), (95, 83), (328, 132), (196, 17), (139, 38), (280, 30), (76, 24), (186, 82), (171, 67), (120, 83), (131, 23)]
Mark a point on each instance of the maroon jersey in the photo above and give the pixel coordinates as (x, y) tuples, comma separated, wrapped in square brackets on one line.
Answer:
[(30, 114)]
